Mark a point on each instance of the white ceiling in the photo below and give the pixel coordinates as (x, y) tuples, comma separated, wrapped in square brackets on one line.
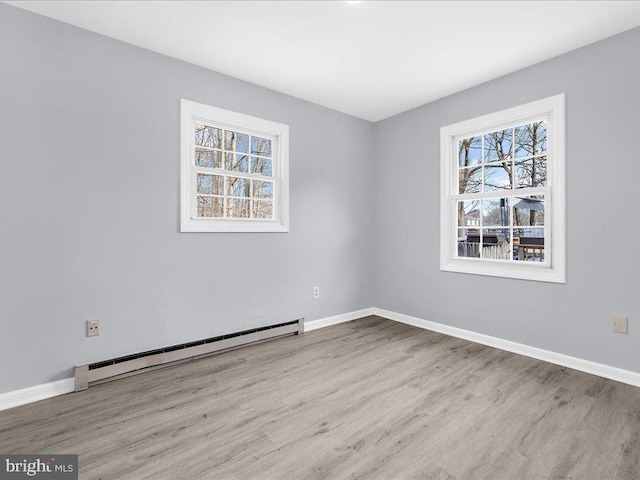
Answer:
[(368, 59)]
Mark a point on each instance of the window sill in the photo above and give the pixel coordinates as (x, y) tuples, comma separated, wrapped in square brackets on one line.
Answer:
[(232, 226), (525, 271)]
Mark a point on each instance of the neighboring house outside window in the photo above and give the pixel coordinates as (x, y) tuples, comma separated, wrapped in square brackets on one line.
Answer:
[(234, 171), (503, 193)]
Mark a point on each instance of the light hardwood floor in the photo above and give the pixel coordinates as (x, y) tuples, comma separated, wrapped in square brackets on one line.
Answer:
[(370, 399)]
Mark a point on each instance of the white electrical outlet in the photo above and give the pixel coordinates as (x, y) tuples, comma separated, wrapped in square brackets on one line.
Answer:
[(316, 292), (93, 328), (620, 324)]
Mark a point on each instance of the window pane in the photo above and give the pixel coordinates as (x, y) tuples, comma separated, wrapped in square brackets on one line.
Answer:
[(208, 158), (208, 136), (491, 236), (235, 162), (496, 243), (495, 212), (531, 173), (209, 206), (260, 146), (210, 184), (497, 177), (469, 214), (261, 166), (470, 151), (468, 243), (262, 209), (237, 208), (497, 145), (238, 187), (531, 139), (262, 189), (236, 142), (528, 244), (470, 180), (529, 211)]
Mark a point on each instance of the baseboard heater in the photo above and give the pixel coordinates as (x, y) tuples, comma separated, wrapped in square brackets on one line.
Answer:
[(108, 370)]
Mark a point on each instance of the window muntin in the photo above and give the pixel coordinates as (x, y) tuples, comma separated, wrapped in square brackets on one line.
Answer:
[(235, 187), (510, 163), (234, 171), (502, 208)]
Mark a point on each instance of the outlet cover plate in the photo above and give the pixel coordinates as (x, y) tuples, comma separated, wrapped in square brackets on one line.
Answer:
[(621, 324), (93, 328)]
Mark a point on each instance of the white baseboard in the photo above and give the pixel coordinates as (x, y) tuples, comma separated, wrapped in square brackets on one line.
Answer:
[(599, 369), (33, 394), (48, 390), (345, 317)]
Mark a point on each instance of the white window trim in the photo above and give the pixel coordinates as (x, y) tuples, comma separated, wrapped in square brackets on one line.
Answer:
[(192, 112), (551, 108)]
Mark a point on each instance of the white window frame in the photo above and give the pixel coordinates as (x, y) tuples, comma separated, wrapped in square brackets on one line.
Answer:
[(192, 113), (552, 110)]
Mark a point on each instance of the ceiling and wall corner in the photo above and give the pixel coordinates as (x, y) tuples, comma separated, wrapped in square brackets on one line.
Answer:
[(369, 59)]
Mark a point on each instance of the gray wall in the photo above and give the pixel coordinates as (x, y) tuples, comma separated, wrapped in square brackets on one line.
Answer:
[(89, 198), (89, 201), (601, 82)]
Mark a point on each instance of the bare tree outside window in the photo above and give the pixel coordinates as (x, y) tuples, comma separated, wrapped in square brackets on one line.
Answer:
[(503, 161), (224, 194)]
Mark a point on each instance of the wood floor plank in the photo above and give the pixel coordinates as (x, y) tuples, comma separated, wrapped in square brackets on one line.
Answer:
[(369, 399)]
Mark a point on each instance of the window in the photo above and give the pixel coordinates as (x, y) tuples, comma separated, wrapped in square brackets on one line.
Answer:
[(234, 172), (503, 193)]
